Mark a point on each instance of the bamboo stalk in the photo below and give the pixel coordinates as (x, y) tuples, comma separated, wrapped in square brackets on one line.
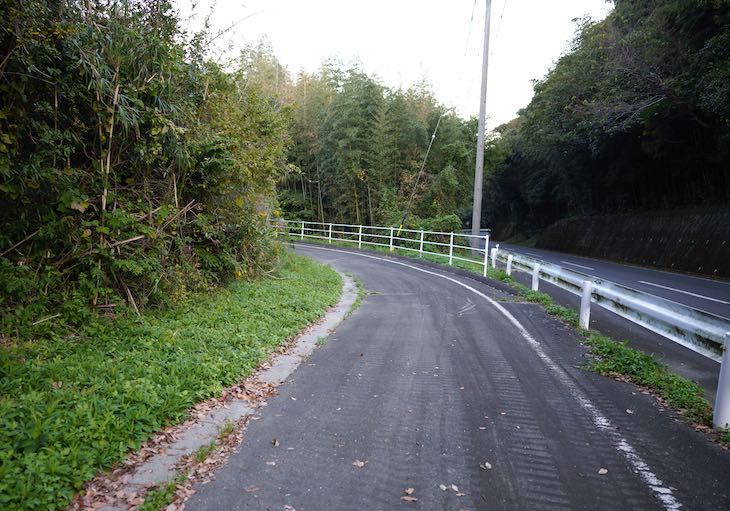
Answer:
[(131, 300), (20, 242)]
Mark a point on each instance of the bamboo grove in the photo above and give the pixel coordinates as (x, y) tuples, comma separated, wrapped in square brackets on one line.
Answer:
[(133, 168)]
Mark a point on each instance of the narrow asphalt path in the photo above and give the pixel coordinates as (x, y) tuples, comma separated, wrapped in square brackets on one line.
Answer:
[(437, 380), (710, 295)]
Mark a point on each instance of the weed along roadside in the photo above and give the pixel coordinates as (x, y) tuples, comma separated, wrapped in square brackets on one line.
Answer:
[(78, 403), (611, 357)]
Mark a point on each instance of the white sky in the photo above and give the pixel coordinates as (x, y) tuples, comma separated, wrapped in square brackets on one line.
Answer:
[(403, 41)]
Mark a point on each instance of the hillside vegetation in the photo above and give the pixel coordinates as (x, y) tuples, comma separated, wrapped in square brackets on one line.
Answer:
[(635, 116), (133, 169), (358, 148)]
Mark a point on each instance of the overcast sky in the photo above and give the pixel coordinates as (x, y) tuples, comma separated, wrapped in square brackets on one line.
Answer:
[(403, 41)]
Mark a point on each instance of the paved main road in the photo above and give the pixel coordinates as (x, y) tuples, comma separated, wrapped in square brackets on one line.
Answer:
[(438, 379), (706, 294)]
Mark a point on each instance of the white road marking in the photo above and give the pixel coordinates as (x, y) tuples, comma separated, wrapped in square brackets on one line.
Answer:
[(684, 292), (660, 491), (469, 306), (578, 265)]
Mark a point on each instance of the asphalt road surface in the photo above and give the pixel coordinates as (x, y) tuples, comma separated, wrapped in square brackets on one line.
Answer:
[(710, 295), (438, 379)]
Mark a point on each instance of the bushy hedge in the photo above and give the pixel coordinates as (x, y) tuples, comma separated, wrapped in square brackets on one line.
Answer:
[(132, 168)]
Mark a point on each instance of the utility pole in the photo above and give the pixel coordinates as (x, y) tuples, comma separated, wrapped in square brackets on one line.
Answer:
[(479, 170)]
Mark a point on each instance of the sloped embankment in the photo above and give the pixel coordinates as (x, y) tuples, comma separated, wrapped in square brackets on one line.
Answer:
[(696, 241)]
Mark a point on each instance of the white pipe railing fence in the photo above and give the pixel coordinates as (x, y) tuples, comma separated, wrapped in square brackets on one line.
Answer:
[(697, 330), (451, 246)]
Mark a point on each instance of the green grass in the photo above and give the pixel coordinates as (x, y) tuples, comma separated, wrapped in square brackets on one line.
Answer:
[(225, 430), (360, 294), (160, 498), (70, 406), (611, 358), (204, 451)]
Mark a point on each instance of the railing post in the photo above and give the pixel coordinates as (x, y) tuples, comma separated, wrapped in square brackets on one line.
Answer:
[(509, 264), (420, 250), (391, 239), (486, 254), (536, 277), (494, 258), (451, 248), (302, 235), (721, 416), (329, 237), (585, 305), (359, 236)]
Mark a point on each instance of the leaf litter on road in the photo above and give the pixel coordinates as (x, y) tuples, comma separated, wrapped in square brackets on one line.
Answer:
[(408, 497)]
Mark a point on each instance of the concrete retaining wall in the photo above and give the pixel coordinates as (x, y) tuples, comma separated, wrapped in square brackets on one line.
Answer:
[(696, 241)]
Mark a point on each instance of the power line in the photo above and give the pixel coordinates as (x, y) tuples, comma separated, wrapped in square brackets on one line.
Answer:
[(499, 25), (468, 32), (423, 166)]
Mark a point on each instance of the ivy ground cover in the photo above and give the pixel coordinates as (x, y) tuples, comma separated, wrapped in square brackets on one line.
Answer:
[(77, 402)]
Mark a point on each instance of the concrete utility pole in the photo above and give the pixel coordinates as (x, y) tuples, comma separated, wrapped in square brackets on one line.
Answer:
[(479, 170)]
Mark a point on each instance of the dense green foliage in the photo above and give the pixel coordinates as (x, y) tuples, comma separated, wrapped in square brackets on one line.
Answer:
[(132, 168), (71, 406), (358, 148), (635, 116)]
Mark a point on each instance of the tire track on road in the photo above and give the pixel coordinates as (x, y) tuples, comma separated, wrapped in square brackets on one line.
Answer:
[(661, 492)]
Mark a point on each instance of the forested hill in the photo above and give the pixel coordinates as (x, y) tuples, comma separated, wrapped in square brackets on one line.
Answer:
[(358, 148), (635, 117)]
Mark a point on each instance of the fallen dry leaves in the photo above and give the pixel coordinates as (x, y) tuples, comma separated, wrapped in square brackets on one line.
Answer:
[(113, 488)]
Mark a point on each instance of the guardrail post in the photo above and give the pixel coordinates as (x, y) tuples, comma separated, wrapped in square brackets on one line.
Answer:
[(329, 237), (391, 239), (585, 305), (721, 416), (536, 277), (302, 235), (420, 250), (509, 264), (494, 258), (359, 236), (451, 248), (486, 255)]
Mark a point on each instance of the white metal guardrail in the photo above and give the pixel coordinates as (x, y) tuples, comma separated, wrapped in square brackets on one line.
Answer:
[(697, 330)]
